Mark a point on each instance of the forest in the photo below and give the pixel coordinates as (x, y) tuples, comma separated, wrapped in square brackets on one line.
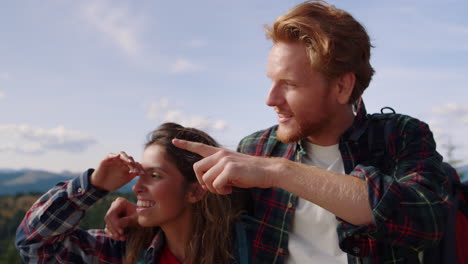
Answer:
[(14, 207)]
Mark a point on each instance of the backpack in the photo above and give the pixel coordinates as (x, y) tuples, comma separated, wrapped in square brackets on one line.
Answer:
[(453, 247)]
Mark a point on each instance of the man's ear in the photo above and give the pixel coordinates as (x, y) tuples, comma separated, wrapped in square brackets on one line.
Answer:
[(344, 87), (195, 192)]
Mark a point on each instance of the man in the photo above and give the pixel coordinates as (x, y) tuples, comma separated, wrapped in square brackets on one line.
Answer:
[(318, 196)]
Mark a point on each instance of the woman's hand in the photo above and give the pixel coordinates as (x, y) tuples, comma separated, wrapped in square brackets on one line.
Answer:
[(120, 216), (115, 171)]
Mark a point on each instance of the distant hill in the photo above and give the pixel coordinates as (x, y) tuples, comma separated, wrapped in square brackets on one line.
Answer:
[(39, 181), (26, 181), (463, 170)]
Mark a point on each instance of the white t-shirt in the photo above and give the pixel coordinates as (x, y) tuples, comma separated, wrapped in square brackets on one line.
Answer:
[(313, 238)]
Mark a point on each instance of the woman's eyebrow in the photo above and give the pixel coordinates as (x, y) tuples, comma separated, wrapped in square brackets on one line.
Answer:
[(156, 168)]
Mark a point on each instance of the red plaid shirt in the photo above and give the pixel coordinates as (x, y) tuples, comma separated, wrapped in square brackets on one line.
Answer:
[(408, 201)]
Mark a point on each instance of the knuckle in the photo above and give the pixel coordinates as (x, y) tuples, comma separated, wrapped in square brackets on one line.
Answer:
[(119, 200), (206, 178), (230, 166), (224, 161), (227, 160), (217, 185), (197, 167), (223, 152)]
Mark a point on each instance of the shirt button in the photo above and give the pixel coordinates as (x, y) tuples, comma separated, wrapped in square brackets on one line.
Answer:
[(280, 250), (290, 205), (80, 190), (356, 250)]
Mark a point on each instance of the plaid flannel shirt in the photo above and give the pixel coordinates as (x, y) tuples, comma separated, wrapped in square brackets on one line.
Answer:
[(409, 201), (49, 232)]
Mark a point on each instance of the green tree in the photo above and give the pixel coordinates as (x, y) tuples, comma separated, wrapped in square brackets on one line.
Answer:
[(12, 213)]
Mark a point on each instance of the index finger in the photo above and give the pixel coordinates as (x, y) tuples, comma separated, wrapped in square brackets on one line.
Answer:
[(195, 147)]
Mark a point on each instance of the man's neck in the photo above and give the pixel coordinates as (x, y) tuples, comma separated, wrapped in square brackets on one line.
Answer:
[(336, 127)]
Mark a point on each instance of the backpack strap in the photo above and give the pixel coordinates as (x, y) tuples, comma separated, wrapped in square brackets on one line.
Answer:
[(378, 138)]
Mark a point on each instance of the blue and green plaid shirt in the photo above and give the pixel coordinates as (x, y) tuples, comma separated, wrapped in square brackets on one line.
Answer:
[(49, 232), (408, 201)]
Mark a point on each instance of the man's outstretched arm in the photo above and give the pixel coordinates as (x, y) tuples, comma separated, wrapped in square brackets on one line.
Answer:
[(343, 195)]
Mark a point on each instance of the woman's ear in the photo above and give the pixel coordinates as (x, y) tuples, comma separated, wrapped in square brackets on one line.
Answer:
[(195, 192)]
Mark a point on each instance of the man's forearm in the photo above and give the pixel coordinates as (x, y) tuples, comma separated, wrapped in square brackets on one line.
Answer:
[(343, 195)]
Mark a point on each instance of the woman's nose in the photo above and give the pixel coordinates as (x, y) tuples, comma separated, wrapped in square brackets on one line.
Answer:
[(139, 185)]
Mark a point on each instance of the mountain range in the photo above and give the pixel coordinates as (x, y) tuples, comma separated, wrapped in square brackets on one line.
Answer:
[(39, 181), (36, 181)]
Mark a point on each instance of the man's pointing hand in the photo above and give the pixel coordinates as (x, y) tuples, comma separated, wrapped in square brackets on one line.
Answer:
[(220, 169)]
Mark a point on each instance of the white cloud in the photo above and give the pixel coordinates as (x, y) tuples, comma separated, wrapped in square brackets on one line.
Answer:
[(157, 109), (198, 122), (418, 74), (2, 95), (436, 127), (220, 125), (116, 23), (161, 111), (182, 65), (124, 28), (32, 140), (450, 109), (22, 148), (465, 120), (197, 43), (457, 29), (452, 112), (449, 124), (5, 76), (173, 116)]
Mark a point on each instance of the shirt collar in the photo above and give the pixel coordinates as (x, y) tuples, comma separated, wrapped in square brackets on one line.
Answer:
[(359, 125), (156, 246)]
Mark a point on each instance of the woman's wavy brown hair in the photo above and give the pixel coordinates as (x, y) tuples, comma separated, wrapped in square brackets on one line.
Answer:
[(213, 215), (335, 42)]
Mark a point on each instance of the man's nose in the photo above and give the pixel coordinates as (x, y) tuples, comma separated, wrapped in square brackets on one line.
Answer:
[(275, 97)]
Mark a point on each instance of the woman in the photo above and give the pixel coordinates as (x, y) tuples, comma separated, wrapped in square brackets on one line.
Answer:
[(177, 221)]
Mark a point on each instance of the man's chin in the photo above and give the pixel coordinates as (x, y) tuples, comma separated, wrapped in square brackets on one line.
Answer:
[(288, 135)]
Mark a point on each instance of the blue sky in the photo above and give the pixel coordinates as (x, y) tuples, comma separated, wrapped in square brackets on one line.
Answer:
[(79, 79)]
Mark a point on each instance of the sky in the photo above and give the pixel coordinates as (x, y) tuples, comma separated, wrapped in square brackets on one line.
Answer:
[(80, 79)]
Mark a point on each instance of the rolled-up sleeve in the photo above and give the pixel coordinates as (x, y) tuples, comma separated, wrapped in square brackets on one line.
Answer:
[(49, 232), (409, 202)]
